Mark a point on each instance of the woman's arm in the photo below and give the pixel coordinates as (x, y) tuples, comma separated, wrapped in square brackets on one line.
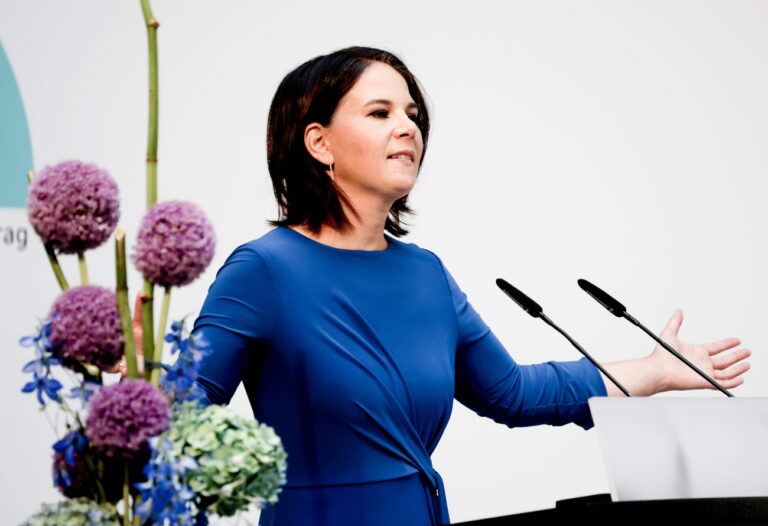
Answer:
[(237, 320), (491, 383), (661, 371)]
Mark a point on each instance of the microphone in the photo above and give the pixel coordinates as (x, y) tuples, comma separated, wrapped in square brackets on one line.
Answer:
[(534, 309), (617, 309)]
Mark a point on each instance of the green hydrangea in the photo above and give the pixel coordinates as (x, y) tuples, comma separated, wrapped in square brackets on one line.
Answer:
[(240, 461), (75, 512)]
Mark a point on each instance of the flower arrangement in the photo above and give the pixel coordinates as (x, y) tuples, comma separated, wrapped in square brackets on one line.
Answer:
[(181, 458), (148, 449)]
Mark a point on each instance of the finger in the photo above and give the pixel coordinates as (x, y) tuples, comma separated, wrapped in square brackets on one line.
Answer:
[(732, 372), (721, 345), (673, 325), (721, 362), (730, 384)]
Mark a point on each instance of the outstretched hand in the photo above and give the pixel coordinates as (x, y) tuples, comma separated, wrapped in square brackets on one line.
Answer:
[(726, 368)]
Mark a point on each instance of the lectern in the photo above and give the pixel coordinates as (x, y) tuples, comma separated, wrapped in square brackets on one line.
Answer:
[(672, 460)]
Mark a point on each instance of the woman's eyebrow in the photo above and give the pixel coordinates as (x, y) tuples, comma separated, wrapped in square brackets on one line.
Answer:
[(387, 102)]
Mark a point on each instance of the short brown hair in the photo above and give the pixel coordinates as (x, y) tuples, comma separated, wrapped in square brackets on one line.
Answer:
[(310, 93)]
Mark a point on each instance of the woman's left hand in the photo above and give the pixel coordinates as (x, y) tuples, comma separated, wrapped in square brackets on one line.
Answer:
[(726, 368)]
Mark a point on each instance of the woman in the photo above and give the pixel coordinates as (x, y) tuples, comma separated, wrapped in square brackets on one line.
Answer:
[(351, 343)]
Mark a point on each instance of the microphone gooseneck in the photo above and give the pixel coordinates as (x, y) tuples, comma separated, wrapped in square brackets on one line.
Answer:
[(535, 310), (617, 309)]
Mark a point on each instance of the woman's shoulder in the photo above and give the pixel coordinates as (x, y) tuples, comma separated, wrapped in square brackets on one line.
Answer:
[(259, 249)]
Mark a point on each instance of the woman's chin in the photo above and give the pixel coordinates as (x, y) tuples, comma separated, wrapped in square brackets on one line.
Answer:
[(401, 191)]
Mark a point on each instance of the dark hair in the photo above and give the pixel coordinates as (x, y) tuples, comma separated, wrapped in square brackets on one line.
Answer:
[(310, 93)]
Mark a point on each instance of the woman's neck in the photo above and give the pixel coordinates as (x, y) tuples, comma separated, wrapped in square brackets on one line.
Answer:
[(355, 239)]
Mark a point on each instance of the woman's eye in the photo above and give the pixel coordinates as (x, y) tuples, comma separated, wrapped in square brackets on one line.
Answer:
[(383, 114)]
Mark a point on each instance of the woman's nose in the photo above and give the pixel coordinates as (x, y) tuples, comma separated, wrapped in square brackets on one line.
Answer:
[(406, 127)]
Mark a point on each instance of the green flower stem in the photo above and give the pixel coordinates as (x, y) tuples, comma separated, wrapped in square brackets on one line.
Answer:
[(126, 506), (147, 311), (148, 327), (136, 518), (65, 407), (155, 378), (56, 267), (129, 346), (102, 495), (51, 254), (152, 25), (83, 267)]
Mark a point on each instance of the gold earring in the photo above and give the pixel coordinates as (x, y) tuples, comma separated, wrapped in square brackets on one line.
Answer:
[(330, 166)]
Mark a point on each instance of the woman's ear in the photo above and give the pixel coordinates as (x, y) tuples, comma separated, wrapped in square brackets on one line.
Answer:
[(317, 144)]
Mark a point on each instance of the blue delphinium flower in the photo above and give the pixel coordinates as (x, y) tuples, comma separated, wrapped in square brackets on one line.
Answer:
[(42, 338), (85, 392), (72, 443), (42, 364), (40, 367), (179, 379), (62, 478), (44, 350), (163, 495), (45, 385)]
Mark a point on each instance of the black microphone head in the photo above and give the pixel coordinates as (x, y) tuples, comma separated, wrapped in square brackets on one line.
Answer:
[(526, 303), (603, 298)]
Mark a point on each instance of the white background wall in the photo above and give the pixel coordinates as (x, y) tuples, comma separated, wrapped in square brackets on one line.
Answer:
[(623, 142)]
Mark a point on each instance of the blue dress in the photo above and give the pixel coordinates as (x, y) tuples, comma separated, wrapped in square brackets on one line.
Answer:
[(355, 357)]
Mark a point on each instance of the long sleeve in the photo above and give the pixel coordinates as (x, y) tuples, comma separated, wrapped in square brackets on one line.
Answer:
[(491, 383), (237, 318)]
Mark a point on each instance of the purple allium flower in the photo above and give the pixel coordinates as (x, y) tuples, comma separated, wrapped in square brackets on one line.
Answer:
[(175, 243), (123, 416), (73, 206), (87, 327)]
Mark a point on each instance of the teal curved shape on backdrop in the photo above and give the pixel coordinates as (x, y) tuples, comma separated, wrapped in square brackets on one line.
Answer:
[(15, 145)]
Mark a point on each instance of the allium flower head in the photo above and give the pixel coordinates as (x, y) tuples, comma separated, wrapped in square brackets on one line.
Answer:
[(73, 206), (175, 243), (123, 416), (87, 327)]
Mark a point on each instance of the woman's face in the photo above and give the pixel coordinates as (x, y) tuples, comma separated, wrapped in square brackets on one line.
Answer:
[(374, 142)]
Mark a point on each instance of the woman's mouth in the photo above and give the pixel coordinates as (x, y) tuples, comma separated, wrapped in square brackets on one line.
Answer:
[(402, 157)]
